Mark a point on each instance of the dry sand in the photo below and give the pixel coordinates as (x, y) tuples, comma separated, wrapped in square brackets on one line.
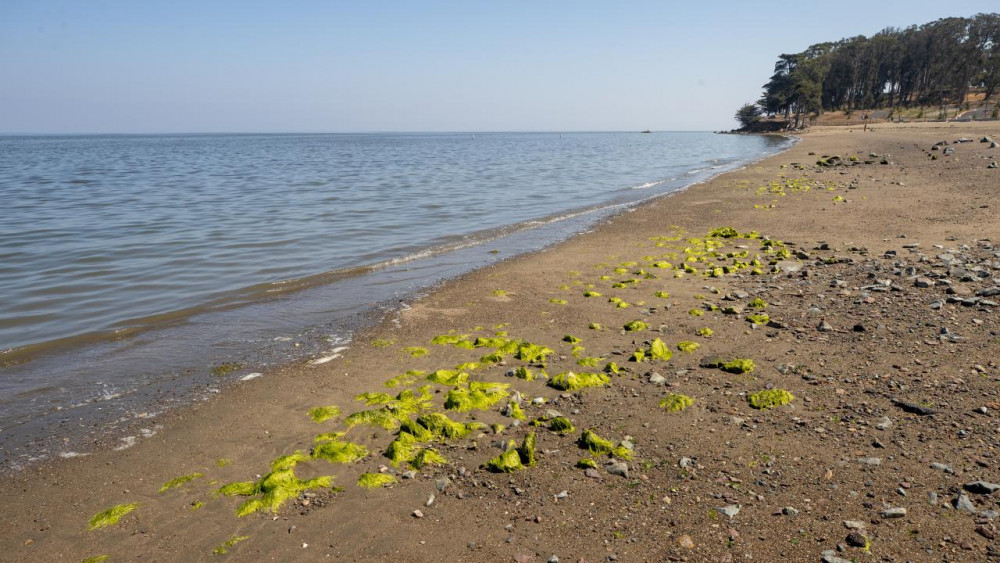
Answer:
[(845, 449)]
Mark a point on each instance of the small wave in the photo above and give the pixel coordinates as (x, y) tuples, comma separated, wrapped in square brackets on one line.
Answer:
[(648, 185)]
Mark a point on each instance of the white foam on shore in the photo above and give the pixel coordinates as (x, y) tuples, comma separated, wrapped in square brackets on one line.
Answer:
[(250, 376), (333, 355)]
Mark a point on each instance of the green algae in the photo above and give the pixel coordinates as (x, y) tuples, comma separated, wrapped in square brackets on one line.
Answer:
[(373, 398), (225, 546), (590, 441), (612, 367), (479, 395), (663, 295), (407, 378), (507, 462), (494, 358), (222, 462), (448, 377), (595, 326), (96, 559), (375, 480), (591, 294), (399, 408), (490, 342), (638, 356), (687, 346), (335, 450), (558, 301), (532, 353), (443, 427), (621, 452), (770, 398), (527, 450), (569, 381), (696, 312), (226, 368), (499, 293), (427, 456), (322, 414), (738, 365), (586, 463), (416, 351), (571, 339), (468, 366), (562, 425), (514, 411), (757, 303), (197, 504), (761, 319), (178, 481), (497, 428), (277, 486), (111, 516), (514, 457), (705, 331), (445, 339), (724, 232), (635, 326), (524, 373), (659, 351), (675, 402), (403, 449), (577, 350), (589, 362), (382, 343)]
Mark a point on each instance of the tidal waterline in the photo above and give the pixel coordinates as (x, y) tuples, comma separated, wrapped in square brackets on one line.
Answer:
[(133, 264)]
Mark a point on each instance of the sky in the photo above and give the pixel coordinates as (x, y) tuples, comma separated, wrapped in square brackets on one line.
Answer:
[(152, 66)]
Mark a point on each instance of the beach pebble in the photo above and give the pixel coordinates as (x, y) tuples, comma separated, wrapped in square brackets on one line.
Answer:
[(897, 512), (418, 514)]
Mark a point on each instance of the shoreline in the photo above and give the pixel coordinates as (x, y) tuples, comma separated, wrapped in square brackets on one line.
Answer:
[(253, 423), (442, 262)]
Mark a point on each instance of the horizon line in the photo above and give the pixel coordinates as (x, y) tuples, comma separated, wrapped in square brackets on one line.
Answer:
[(370, 132)]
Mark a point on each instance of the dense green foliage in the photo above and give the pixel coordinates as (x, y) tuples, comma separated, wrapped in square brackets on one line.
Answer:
[(927, 65)]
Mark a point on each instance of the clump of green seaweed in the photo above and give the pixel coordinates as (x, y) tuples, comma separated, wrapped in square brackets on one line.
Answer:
[(562, 425), (448, 377), (590, 441), (532, 353), (675, 402), (770, 398), (331, 448), (407, 378), (570, 381), (274, 488), (111, 516), (226, 368), (635, 326), (416, 351), (224, 547), (322, 414), (478, 395), (759, 319), (178, 481), (687, 346), (395, 409), (375, 480), (514, 457)]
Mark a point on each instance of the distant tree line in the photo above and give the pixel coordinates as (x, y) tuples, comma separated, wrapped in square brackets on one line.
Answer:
[(927, 65)]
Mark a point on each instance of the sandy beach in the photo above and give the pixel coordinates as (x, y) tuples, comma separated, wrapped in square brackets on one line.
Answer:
[(865, 289)]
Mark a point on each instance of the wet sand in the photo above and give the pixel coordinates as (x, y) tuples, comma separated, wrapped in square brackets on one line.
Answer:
[(889, 385)]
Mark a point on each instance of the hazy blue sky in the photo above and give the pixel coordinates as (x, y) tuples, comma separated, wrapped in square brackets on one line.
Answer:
[(180, 66)]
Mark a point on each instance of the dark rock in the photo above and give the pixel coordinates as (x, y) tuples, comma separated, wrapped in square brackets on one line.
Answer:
[(913, 408)]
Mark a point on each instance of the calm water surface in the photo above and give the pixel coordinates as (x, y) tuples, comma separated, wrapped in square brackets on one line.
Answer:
[(128, 263)]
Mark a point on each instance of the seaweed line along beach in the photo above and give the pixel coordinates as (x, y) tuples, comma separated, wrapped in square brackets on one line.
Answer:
[(144, 272)]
